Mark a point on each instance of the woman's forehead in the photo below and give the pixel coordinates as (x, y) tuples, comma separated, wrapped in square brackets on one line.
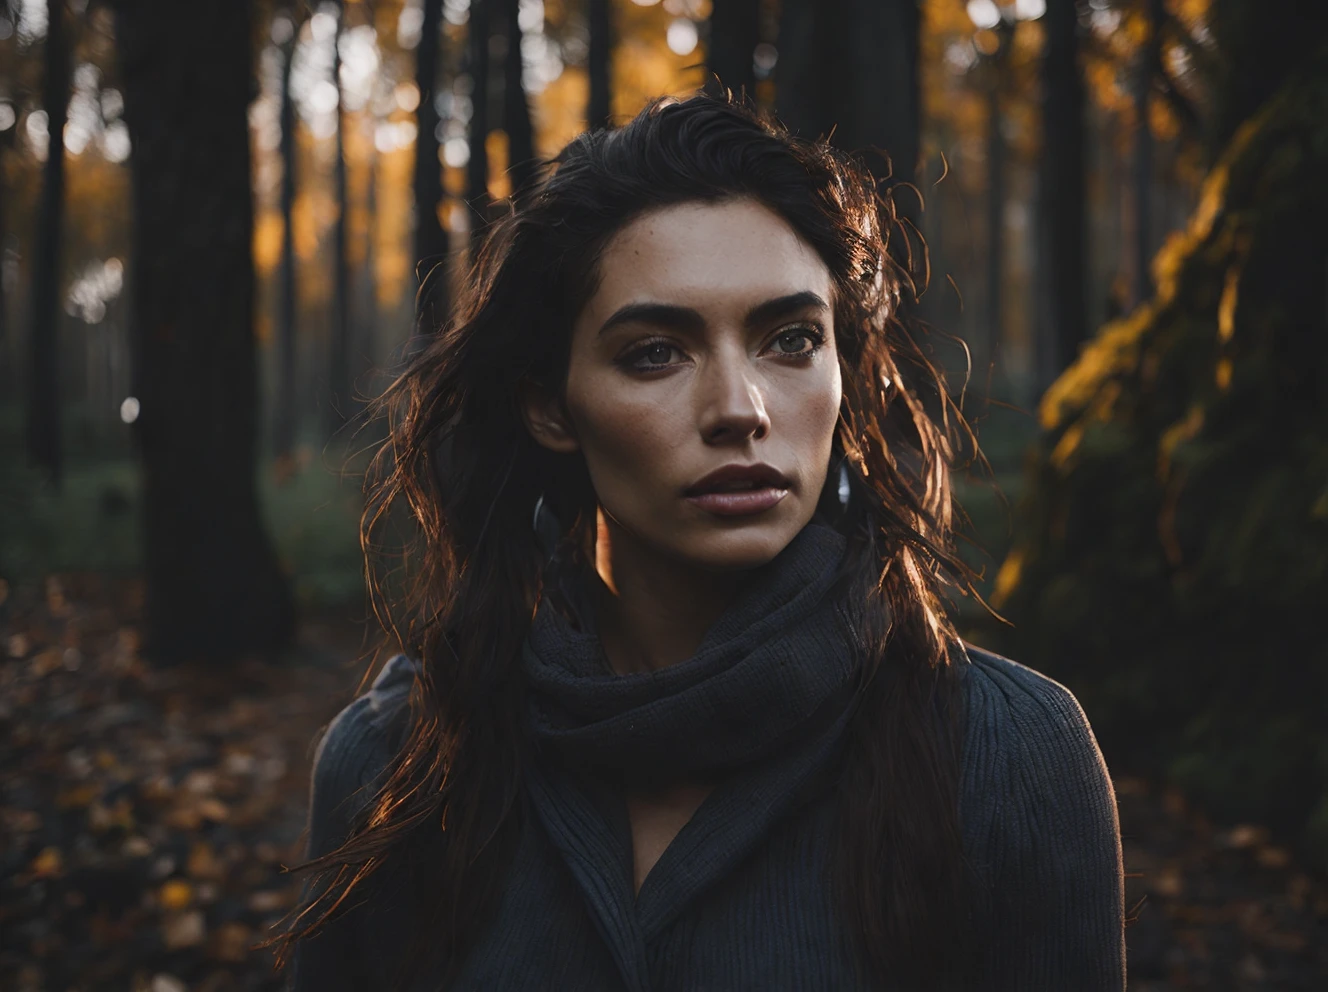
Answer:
[(730, 253)]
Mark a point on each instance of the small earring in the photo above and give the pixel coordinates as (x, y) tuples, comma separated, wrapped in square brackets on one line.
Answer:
[(845, 491), (548, 531)]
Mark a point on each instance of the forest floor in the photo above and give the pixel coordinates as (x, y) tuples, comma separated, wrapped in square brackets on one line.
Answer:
[(146, 815)]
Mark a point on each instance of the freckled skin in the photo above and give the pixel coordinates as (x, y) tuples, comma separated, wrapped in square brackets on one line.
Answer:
[(729, 390)]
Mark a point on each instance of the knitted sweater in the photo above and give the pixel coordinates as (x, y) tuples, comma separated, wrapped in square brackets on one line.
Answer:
[(1039, 822)]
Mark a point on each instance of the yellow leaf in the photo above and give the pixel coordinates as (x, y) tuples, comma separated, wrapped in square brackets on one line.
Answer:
[(1226, 309), (176, 894), (49, 863)]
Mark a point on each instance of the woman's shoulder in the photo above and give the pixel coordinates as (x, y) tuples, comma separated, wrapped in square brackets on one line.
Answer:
[(1029, 751), (355, 748), (1040, 827), (1005, 697)]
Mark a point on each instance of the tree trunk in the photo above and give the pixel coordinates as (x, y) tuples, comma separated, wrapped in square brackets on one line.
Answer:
[(852, 67), (367, 341), (995, 220), (477, 168), (285, 420), (44, 445), (8, 349), (734, 32), (598, 59), (214, 589), (341, 399), (516, 108), (431, 241), (1062, 195), (1149, 61)]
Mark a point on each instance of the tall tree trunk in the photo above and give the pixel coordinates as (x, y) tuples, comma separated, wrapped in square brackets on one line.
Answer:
[(598, 62), (214, 589), (1148, 64), (44, 444), (516, 107), (369, 338), (341, 400), (477, 168), (1062, 195), (852, 67), (431, 241), (734, 32), (995, 219), (802, 90), (7, 343), (285, 420)]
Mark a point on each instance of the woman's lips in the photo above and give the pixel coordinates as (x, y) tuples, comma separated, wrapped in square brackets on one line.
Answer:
[(740, 502)]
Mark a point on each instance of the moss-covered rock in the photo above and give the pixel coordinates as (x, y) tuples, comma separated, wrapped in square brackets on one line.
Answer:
[(1170, 561)]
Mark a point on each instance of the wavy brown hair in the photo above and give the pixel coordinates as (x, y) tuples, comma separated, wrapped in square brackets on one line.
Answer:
[(461, 474)]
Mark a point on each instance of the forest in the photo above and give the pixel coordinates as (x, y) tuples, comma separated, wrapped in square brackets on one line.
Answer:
[(224, 223)]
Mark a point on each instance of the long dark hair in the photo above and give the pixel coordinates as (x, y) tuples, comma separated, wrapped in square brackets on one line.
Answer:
[(461, 473)]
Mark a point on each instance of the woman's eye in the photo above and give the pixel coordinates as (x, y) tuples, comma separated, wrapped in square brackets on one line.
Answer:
[(796, 343), (653, 356)]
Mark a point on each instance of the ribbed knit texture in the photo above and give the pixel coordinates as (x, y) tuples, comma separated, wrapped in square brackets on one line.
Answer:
[(775, 668), (740, 900)]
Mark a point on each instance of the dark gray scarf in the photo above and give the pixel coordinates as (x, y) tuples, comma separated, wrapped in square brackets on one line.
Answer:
[(778, 666)]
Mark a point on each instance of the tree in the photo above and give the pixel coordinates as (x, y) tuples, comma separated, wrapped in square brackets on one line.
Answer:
[(7, 378), (214, 589), (340, 379), (734, 33), (285, 418), (477, 168), (1147, 70), (852, 68), (1062, 195), (1171, 546), (598, 110), (44, 444), (431, 241), (516, 107), (994, 67), (369, 338)]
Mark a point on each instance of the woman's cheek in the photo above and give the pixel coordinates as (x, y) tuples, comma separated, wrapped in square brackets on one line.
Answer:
[(629, 448)]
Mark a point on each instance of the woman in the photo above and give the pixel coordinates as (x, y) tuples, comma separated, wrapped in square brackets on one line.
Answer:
[(682, 707)]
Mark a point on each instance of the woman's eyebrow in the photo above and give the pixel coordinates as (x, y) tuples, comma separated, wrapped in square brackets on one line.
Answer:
[(659, 314), (680, 318), (784, 306)]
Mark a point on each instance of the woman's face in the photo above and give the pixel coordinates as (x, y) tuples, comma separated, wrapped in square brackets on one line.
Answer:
[(703, 386)]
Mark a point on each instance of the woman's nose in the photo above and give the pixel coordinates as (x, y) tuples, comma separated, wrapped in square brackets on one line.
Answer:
[(733, 406)]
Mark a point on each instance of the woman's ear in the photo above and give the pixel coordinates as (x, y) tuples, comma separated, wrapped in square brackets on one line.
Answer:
[(546, 418)]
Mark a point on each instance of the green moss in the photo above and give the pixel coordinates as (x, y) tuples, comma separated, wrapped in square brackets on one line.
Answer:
[(1170, 555)]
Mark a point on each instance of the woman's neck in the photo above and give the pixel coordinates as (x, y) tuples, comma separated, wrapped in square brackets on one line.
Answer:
[(653, 611)]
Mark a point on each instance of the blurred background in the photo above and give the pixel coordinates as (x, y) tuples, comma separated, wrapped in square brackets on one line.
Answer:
[(220, 219)]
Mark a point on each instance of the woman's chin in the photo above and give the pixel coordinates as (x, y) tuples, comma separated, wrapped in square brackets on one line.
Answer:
[(735, 544)]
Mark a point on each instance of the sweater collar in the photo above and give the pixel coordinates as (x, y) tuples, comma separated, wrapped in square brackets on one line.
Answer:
[(764, 675)]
